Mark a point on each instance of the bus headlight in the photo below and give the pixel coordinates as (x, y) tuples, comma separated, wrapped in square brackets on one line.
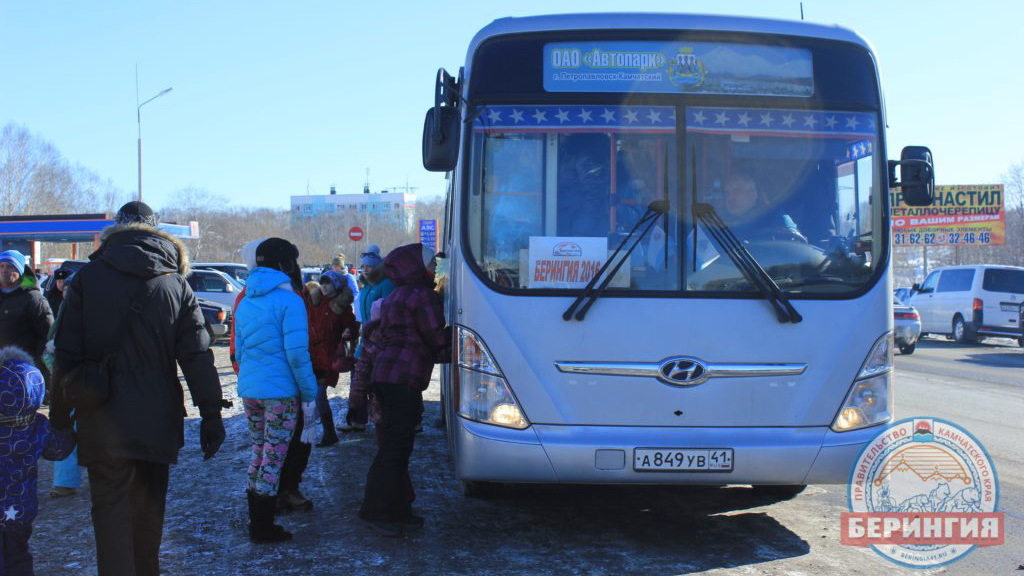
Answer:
[(483, 392), (487, 398), (870, 400)]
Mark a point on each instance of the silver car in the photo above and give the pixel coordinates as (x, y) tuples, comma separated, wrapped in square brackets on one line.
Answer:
[(907, 326)]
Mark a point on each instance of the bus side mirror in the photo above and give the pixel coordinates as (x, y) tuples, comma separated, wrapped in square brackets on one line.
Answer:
[(917, 172), (441, 126), (441, 139)]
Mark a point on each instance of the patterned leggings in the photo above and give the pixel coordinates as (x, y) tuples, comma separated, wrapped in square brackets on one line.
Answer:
[(271, 423)]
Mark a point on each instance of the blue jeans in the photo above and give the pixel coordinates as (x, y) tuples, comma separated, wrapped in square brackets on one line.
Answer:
[(66, 472)]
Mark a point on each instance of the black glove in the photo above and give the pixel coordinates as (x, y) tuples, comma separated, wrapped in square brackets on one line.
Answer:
[(211, 435)]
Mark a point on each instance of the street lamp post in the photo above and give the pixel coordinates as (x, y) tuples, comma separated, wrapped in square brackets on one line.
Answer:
[(138, 117)]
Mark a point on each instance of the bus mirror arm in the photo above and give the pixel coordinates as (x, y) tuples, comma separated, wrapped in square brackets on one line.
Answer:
[(442, 125), (917, 171)]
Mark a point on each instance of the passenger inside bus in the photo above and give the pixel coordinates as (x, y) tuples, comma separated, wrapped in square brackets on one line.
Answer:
[(584, 181)]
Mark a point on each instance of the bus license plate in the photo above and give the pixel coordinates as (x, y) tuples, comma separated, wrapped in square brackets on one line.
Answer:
[(683, 459)]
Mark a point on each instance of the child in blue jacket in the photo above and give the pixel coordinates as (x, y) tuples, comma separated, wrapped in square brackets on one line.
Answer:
[(25, 436)]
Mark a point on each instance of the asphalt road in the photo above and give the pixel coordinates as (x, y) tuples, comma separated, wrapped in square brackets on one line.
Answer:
[(557, 529)]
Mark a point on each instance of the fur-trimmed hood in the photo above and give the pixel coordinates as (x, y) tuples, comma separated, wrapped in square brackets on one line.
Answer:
[(142, 250), (21, 383)]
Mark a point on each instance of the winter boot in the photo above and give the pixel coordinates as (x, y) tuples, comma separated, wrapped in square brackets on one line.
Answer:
[(330, 437), (261, 519), (289, 500)]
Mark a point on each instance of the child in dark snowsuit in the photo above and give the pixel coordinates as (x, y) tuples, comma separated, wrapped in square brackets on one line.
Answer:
[(25, 436)]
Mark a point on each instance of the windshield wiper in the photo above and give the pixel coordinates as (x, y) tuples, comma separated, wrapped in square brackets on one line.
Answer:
[(654, 210), (748, 266)]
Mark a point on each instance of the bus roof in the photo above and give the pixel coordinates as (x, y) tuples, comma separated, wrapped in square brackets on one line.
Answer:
[(661, 21)]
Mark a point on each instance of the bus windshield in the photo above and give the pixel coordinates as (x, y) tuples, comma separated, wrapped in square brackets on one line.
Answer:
[(555, 187)]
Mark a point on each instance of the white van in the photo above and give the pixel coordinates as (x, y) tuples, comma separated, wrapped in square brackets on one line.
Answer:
[(967, 302)]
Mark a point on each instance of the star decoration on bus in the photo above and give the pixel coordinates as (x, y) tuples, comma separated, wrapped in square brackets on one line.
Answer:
[(570, 118), (776, 121)]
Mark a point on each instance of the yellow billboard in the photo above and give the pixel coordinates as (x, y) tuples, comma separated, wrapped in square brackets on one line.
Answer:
[(960, 216)]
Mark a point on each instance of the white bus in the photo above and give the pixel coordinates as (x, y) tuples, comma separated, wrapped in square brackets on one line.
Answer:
[(669, 250)]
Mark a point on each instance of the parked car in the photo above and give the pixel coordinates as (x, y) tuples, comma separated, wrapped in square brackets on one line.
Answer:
[(907, 326), (214, 285), (237, 271), (310, 274), (902, 294), (72, 265), (968, 302), (218, 318)]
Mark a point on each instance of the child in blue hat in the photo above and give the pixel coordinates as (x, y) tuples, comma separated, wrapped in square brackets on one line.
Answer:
[(25, 436)]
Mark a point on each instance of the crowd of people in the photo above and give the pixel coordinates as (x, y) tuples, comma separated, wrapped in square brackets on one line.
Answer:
[(104, 346)]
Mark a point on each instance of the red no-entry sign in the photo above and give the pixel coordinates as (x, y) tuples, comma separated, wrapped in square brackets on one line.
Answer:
[(355, 233)]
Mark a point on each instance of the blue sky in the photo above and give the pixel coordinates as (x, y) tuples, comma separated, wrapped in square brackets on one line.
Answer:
[(272, 99)]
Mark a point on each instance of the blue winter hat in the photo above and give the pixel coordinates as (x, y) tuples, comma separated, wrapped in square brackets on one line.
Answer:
[(334, 278), (21, 384), (371, 257), (15, 258)]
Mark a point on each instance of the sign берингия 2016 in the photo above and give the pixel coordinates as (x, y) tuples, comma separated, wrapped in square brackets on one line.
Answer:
[(569, 262), (960, 216)]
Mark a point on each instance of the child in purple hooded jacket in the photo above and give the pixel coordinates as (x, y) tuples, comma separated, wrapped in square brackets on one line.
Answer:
[(25, 436), (411, 337)]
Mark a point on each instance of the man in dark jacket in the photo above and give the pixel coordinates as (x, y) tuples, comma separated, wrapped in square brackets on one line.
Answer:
[(25, 317), (129, 441)]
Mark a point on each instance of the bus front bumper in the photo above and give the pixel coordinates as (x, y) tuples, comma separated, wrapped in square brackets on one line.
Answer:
[(604, 454)]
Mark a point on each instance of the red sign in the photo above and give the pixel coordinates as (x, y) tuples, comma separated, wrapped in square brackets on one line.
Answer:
[(355, 233)]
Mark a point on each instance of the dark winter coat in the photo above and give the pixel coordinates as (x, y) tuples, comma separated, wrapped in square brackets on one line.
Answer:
[(54, 298), (328, 320), (412, 333), (25, 318), (26, 436), (143, 419)]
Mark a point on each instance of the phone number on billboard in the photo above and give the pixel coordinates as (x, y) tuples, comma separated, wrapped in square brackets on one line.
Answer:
[(943, 239)]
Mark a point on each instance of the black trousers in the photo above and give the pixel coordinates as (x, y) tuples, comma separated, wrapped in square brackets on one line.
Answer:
[(129, 498), (296, 460), (387, 494), (15, 559)]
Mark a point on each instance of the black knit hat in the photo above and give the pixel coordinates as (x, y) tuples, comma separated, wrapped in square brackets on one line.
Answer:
[(279, 254), (136, 212)]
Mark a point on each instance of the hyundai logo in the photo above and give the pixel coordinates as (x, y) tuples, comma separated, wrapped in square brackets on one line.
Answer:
[(682, 371)]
